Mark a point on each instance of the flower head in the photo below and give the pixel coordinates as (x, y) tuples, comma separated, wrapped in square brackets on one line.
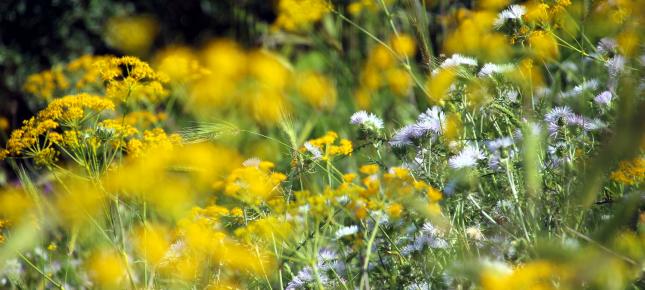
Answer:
[(468, 157), (366, 120)]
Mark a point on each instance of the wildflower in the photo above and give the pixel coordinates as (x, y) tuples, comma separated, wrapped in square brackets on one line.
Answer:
[(606, 45), (405, 136), (468, 157), (346, 231), (395, 210), (428, 236), (604, 98), (615, 66), (630, 172), (403, 45), (439, 84), (296, 15), (498, 150), (317, 90), (489, 69), (131, 34), (431, 121), (324, 147), (456, 60), (107, 268), (152, 243), (513, 12), (399, 81), (544, 45), (300, 281), (366, 120), (369, 169)]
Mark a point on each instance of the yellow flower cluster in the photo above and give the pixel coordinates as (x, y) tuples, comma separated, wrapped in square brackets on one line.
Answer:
[(68, 111), (631, 172), (294, 15), (170, 178), (254, 184), (179, 63), (206, 248), (325, 147), (253, 82), (373, 191), (474, 35), (533, 275), (131, 34), (382, 69), (317, 90), (357, 7), (129, 78), (85, 72), (46, 83)]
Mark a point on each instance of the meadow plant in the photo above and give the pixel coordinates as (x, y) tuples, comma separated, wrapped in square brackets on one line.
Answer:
[(360, 144)]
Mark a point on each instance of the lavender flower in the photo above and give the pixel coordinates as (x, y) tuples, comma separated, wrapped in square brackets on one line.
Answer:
[(428, 236), (604, 98), (404, 136), (468, 157), (581, 88), (304, 277), (557, 118), (428, 123), (497, 150)]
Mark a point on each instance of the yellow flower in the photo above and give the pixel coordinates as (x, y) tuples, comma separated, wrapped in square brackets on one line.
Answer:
[(630, 172), (544, 45), (404, 45), (300, 14), (131, 34), (439, 84), (107, 268), (4, 124), (45, 84), (433, 194), (180, 64), (395, 210), (369, 169), (533, 275), (399, 81), (317, 90), (15, 205), (152, 243)]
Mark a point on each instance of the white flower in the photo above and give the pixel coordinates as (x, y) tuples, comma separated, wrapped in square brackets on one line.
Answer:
[(346, 231), (251, 162), (468, 157), (513, 12), (455, 60), (511, 95), (491, 68), (315, 151), (615, 65), (367, 120), (404, 136)]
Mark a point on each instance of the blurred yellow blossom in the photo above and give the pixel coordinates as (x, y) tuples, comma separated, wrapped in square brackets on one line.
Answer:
[(131, 34), (296, 15)]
